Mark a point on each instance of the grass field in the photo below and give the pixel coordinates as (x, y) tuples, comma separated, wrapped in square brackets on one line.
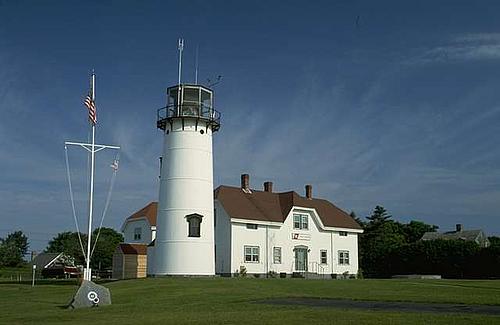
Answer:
[(233, 301)]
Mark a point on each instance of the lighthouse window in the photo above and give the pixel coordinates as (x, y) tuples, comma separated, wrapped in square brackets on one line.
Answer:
[(194, 225), (206, 99), (172, 97), (191, 102)]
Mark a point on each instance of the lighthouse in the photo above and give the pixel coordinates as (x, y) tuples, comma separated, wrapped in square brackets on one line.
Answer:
[(184, 243)]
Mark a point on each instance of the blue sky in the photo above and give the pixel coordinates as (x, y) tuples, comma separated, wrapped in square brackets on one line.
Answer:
[(391, 103)]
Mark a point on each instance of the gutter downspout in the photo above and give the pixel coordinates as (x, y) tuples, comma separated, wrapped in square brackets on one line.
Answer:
[(331, 253), (267, 250)]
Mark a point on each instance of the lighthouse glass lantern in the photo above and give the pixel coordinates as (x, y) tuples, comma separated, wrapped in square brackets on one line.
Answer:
[(189, 101)]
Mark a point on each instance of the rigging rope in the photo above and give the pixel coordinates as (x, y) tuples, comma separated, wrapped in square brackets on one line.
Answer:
[(108, 199), (73, 202)]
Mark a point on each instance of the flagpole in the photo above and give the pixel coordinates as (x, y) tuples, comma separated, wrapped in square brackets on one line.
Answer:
[(87, 274)]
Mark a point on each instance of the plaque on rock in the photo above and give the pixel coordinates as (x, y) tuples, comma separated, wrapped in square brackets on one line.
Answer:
[(90, 295)]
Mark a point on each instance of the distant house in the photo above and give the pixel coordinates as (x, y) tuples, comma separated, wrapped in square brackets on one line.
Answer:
[(55, 265), (476, 236), (140, 227), (130, 261)]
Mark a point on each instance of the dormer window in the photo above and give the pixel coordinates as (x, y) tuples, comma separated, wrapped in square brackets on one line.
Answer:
[(300, 221), (137, 233), (194, 224)]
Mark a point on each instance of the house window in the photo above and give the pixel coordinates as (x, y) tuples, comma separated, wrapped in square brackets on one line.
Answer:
[(323, 256), (137, 233), (251, 254), (300, 221), (277, 255), (194, 224), (342, 233), (251, 226), (344, 257)]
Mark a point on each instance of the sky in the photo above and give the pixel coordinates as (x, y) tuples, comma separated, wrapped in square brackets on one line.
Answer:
[(392, 103)]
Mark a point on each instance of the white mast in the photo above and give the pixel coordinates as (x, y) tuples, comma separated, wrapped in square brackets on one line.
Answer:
[(87, 274), (93, 149)]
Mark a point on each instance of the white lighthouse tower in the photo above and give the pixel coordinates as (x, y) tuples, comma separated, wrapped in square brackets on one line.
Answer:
[(184, 242)]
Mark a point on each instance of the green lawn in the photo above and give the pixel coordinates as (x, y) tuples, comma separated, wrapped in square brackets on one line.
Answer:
[(231, 301)]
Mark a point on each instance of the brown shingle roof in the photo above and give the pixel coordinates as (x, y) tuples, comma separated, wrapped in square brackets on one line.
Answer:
[(133, 249), (268, 206), (148, 212), (265, 206)]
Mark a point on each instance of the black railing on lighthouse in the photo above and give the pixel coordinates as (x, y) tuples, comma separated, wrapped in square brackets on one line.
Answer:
[(188, 110)]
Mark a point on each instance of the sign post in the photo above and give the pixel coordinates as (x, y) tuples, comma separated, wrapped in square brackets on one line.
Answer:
[(34, 271)]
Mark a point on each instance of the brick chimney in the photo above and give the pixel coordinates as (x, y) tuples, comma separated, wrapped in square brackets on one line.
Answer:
[(459, 227), (268, 187), (245, 182), (309, 191)]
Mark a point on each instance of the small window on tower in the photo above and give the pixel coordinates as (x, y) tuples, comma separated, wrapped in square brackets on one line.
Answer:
[(194, 225)]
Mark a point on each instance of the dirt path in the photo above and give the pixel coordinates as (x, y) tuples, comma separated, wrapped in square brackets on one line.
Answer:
[(386, 305)]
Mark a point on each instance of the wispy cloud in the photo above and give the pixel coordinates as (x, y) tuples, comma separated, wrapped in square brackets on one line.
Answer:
[(467, 47)]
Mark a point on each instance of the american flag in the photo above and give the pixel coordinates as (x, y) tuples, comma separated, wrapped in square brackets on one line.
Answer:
[(91, 106)]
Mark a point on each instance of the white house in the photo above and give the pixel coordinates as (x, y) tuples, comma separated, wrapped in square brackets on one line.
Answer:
[(261, 231), (140, 227)]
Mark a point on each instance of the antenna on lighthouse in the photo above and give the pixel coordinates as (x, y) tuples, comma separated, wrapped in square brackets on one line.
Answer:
[(180, 46), (196, 66)]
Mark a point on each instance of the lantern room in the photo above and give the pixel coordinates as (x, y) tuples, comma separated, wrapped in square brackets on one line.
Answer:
[(189, 102)]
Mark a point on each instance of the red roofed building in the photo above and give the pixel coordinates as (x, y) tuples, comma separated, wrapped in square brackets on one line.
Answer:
[(140, 227), (261, 231)]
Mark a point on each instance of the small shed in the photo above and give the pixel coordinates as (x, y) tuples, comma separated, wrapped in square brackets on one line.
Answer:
[(55, 265), (130, 261)]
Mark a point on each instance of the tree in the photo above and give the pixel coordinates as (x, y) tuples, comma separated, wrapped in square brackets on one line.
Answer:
[(494, 241), (448, 258), (416, 229), (13, 248), (376, 247), (102, 254), (357, 219), (68, 243), (379, 215), (108, 240), (383, 237)]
